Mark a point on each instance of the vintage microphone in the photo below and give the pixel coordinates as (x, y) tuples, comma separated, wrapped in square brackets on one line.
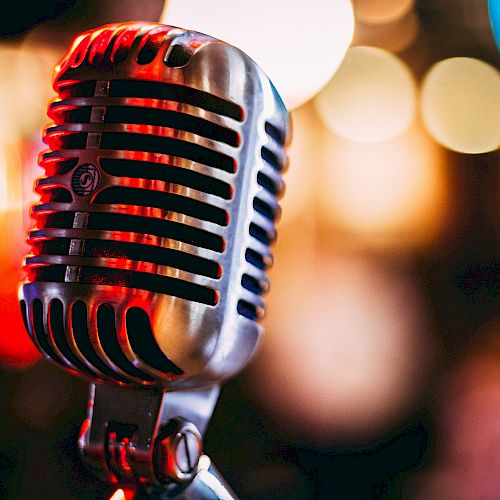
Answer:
[(149, 253)]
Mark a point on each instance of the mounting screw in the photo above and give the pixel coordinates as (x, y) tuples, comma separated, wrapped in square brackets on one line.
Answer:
[(177, 452)]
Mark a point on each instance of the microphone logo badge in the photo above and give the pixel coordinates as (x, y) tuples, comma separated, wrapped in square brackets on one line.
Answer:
[(85, 179)]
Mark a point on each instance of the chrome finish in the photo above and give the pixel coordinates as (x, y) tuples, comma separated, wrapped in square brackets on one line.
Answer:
[(124, 437), (173, 213), (178, 451), (207, 485), (152, 241)]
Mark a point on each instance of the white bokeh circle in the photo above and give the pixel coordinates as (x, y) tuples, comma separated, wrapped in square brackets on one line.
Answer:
[(298, 45)]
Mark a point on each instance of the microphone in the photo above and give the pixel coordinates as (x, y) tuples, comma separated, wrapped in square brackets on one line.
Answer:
[(153, 231)]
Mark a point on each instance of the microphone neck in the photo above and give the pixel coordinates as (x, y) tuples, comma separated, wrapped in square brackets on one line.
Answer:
[(145, 435)]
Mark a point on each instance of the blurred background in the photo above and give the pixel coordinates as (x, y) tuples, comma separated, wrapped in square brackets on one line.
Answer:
[(379, 373)]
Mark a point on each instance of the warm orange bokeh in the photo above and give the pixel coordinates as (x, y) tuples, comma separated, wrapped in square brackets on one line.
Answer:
[(392, 195), (16, 348)]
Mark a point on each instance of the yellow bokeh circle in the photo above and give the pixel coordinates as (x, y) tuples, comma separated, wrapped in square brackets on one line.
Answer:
[(371, 98), (460, 104)]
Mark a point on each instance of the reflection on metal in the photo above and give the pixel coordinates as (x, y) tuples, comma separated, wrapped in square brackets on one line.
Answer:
[(209, 484), (152, 240), (125, 435), (185, 136)]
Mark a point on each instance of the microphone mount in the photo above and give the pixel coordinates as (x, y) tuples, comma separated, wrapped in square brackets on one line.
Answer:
[(152, 439)]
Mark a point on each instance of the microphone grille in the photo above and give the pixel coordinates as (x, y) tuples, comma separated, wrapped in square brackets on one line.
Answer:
[(160, 193)]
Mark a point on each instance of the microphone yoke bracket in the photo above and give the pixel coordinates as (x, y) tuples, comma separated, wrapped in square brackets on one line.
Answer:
[(146, 436)]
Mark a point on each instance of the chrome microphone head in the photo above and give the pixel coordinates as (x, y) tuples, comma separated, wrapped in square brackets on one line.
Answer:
[(157, 209)]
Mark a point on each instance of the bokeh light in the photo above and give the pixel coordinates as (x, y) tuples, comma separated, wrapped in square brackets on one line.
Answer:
[(9, 106), (25, 88), (467, 406), (371, 97), (24, 92), (33, 69), (460, 104), (11, 203), (396, 36), (298, 45), (346, 347), (381, 11), (16, 348), (20, 116), (305, 157), (392, 194), (4, 184)]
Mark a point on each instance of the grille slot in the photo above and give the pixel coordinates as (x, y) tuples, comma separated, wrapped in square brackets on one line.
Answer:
[(267, 183), (56, 322), (255, 258), (99, 47), (166, 201), (146, 281), (149, 116), (24, 314), (39, 330), (156, 227), (172, 119), (93, 275), (271, 158), (177, 93), (79, 326), (79, 89), (168, 173), (263, 208), (59, 246), (248, 310), (149, 50), (47, 273), (143, 344), (152, 253), (57, 166), (261, 234), (131, 279), (178, 56), (251, 284), (169, 146), (106, 329), (122, 44), (54, 195), (61, 220), (275, 133), (130, 141), (73, 115), (69, 140)]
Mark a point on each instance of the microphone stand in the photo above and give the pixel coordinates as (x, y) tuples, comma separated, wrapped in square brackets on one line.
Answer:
[(208, 484), (152, 439)]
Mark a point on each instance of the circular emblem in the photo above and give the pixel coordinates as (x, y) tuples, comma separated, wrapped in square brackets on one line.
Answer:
[(85, 179)]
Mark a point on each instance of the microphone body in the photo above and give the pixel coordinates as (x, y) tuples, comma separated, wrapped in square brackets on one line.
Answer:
[(157, 210), (152, 240)]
